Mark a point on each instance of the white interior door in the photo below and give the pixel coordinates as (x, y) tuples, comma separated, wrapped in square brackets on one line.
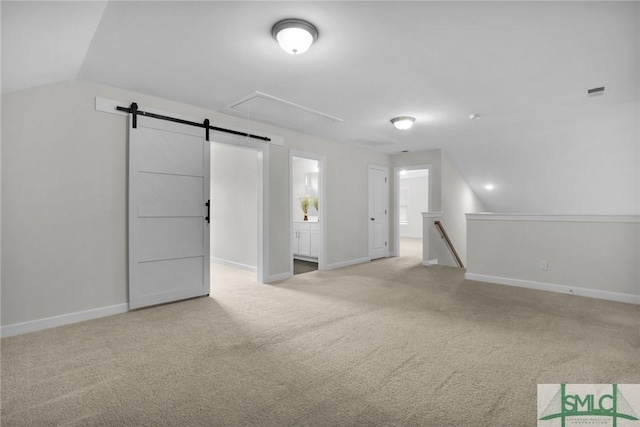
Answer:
[(378, 224), (168, 224)]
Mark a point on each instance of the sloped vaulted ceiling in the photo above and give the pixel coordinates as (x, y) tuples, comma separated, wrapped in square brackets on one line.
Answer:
[(523, 66), (45, 42)]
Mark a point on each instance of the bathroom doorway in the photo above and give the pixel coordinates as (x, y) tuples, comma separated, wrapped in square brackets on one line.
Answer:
[(307, 199)]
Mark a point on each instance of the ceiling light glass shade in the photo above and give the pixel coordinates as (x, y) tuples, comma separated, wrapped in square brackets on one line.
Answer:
[(294, 35), (403, 122)]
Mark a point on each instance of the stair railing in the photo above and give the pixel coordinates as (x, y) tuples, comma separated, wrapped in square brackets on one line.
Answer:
[(444, 236)]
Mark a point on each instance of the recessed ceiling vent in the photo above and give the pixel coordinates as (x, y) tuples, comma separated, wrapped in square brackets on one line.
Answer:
[(595, 91)]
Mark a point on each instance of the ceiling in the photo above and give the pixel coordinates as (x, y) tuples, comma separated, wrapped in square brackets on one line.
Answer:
[(523, 66)]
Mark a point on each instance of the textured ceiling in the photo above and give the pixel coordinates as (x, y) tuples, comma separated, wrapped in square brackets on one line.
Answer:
[(523, 66)]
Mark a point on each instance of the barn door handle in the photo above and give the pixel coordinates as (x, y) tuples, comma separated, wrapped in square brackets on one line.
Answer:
[(208, 205)]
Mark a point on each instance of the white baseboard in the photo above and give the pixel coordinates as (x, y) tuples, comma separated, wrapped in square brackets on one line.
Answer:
[(551, 287), (427, 263), (234, 264), (277, 277), (347, 263), (64, 319)]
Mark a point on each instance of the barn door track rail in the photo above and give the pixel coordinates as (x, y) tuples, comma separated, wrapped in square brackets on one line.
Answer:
[(135, 112)]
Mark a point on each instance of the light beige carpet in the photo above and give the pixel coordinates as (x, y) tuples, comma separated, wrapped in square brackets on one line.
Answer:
[(384, 343), (410, 247)]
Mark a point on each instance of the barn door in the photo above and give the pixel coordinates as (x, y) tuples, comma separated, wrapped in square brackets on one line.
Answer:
[(168, 212)]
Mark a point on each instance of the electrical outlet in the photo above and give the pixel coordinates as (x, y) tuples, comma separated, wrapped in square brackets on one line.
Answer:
[(544, 265)]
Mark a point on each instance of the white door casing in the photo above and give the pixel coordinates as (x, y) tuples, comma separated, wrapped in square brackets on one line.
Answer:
[(396, 200), (168, 228), (314, 242), (318, 235), (378, 211)]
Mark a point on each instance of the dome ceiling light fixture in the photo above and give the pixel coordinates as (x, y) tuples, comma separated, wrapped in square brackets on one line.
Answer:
[(403, 122), (294, 36)]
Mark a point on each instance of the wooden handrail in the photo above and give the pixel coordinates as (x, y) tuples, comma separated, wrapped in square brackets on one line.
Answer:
[(444, 235)]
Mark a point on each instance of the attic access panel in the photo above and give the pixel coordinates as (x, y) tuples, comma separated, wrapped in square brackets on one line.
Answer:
[(279, 112)]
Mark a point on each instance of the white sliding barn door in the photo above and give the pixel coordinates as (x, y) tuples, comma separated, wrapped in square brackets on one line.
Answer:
[(168, 228)]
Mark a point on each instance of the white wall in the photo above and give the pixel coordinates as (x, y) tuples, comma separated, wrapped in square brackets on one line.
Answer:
[(457, 200), (234, 205), (417, 202), (64, 211), (434, 250), (64, 190), (588, 255), (347, 221), (431, 158)]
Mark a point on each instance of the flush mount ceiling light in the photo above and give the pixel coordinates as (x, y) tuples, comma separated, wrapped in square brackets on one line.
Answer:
[(489, 187), (295, 36), (403, 122)]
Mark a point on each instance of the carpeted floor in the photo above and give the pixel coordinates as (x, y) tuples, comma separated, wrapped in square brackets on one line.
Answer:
[(383, 343), (410, 247)]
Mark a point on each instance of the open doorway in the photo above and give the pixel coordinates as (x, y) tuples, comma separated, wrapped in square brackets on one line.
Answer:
[(306, 207), (412, 199), (235, 208)]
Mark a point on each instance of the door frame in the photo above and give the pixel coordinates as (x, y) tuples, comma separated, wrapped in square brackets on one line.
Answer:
[(386, 202), (322, 214), (396, 200), (262, 267)]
